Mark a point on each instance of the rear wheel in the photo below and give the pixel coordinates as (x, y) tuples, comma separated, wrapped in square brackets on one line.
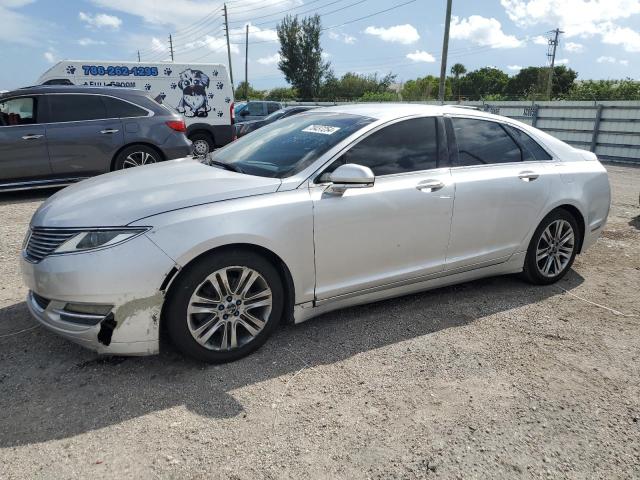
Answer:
[(225, 306), (202, 144), (136, 156), (552, 249)]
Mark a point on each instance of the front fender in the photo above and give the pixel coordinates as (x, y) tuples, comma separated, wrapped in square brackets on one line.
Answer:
[(280, 222)]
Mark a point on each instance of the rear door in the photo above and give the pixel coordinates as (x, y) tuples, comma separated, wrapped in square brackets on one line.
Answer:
[(500, 192), (82, 140), (23, 141)]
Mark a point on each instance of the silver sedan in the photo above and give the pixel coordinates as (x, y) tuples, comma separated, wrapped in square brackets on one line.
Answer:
[(332, 208)]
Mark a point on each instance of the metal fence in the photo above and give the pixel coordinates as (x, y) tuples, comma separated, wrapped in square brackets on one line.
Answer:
[(611, 129)]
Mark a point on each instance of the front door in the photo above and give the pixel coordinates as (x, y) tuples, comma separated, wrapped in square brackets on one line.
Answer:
[(394, 231), (82, 140), (23, 141), (500, 192)]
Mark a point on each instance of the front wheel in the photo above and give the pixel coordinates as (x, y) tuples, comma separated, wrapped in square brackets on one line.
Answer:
[(225, 306), (552, 249)]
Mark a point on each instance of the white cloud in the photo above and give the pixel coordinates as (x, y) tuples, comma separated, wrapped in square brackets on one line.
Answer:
[(514, 68), (584, 18), (270, 60), (16, 27), (609, 59), (213, 43), (614, 35), (562, 61), (482, 31), (182, 13), (100, 20), (405, 34), (158, 45), (86, 42), (342, 37), (50, 56), (540, 40), (574, 47), (421, 56)]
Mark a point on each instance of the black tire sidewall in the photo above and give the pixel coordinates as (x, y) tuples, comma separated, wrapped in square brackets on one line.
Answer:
[(175, 314), (119, 162), (531, 271)]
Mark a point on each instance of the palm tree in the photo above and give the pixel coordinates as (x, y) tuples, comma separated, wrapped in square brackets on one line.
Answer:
[(457, 70)]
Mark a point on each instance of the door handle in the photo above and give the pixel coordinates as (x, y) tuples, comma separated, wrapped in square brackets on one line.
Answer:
[(528, 176), (31, 136), (108, 131), (430, 186)]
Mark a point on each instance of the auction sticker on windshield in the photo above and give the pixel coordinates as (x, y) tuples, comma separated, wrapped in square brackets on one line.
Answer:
[(323, 129)]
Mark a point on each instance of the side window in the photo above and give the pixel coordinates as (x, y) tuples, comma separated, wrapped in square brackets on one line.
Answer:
[(255, 108), (531, 150), (17, 111), (482, 142), (120, 109), (407, 146), (272, 107), (72, 108)]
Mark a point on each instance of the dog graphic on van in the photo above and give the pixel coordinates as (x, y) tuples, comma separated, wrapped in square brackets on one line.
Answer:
[(194, 84)]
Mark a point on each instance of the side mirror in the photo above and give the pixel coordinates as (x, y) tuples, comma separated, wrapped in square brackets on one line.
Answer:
[(244, 113), (351, 175)]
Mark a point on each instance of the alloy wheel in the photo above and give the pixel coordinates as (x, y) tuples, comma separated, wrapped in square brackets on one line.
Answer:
[(137, 159), (200, 148), (229, 308), (555, 248)]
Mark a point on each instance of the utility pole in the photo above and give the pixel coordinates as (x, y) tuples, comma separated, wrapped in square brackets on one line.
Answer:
[(246, 65), (226, 27), (171, 47), (551, 53), (445, 50), (138, 56)]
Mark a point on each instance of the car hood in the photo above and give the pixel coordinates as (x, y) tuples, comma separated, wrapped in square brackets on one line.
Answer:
[(122, 197)]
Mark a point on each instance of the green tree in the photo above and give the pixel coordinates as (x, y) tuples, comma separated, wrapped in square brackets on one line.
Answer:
[(457, 70), (353, 86), (531, 82), (484, 81), (301, 54), (425, 88), (626, 89), (252, 93), (387, 96), (281, 93)]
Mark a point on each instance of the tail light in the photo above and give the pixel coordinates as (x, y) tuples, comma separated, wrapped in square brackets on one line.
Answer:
[(177, 125), (232, 113)]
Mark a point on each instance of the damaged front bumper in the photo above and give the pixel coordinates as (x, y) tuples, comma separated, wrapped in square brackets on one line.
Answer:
[(106, 300)]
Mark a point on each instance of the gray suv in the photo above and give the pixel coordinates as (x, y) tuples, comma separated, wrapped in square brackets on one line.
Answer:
[(56, 135)]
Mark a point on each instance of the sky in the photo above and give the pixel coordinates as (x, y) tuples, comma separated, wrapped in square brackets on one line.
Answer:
[(601, 38)]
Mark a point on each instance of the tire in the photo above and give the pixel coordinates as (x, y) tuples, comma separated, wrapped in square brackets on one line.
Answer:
[(551, 253), (135, 156), (202, 326), (202, 144)]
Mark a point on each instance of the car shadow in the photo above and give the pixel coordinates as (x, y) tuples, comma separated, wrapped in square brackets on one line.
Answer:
[(635, 222), (52, 389)]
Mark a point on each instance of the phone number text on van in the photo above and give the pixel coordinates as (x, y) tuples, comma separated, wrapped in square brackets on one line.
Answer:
[(123, 71)]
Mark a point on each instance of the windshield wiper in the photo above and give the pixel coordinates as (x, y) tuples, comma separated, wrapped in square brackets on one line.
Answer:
[(226, 166)]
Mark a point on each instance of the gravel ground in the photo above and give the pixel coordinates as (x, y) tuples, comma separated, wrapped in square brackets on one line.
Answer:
[(490, 379)]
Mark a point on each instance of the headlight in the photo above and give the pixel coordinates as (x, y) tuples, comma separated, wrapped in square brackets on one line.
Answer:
[(93, 239)]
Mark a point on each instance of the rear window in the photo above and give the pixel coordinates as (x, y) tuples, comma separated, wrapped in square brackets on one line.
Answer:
[(73, 108), (117, 108), (531, 150)]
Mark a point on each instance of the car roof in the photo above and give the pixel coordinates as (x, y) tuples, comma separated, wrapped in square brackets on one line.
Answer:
[(40, 89), (389, 111)]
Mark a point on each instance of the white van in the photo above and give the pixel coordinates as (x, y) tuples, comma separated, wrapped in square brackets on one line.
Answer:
[(201, 92)]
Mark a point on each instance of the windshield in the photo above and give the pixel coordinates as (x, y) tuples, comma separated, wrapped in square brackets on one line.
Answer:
[(239, 106), (287, 147)]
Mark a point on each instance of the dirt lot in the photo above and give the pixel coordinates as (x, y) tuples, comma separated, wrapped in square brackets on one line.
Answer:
[(490, 379)]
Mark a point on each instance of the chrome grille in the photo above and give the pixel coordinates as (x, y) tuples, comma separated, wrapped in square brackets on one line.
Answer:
[(43, 241)]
